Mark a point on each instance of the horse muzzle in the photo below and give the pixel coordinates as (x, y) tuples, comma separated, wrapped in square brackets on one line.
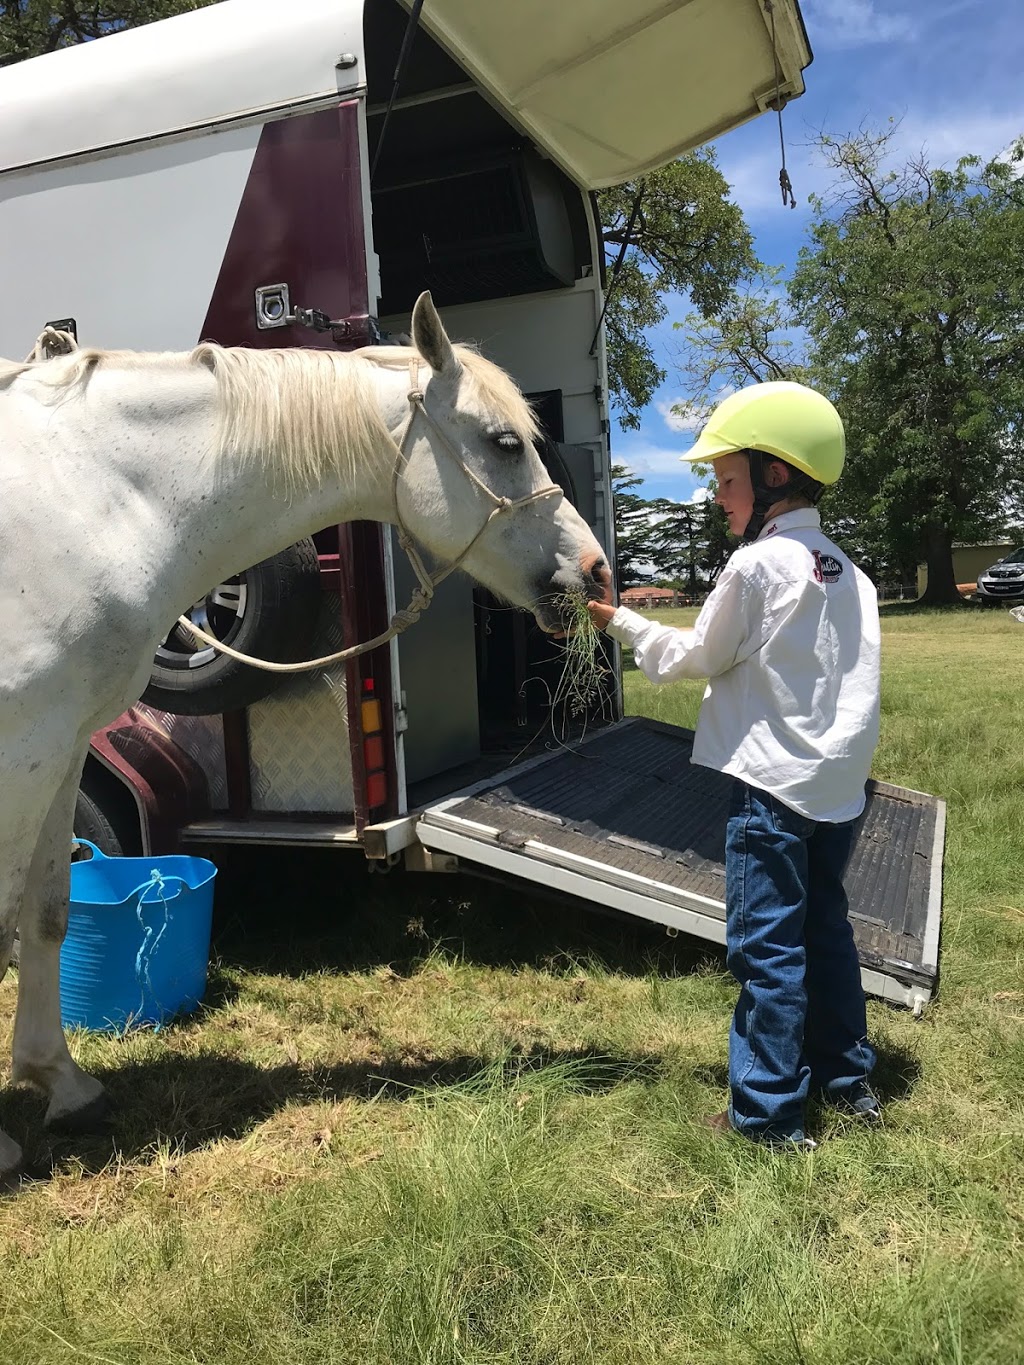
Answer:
[(594, 584)]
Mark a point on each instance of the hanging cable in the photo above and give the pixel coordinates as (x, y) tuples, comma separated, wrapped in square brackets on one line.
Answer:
[(631, 224), (400, 65), (785, 184)]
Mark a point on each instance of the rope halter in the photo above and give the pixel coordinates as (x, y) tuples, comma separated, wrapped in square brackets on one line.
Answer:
[(424, 594)]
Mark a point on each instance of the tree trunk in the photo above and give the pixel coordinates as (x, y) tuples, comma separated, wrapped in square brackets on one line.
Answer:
[(940, 589)]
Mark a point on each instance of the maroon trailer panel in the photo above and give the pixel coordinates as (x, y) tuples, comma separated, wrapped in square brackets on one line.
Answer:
[(301, 221)]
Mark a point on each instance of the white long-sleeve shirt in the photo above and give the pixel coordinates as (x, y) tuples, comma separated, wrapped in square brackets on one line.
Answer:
[(790, 641)]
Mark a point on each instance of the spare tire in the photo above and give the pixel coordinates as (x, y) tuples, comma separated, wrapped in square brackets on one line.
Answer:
[(269, 611)]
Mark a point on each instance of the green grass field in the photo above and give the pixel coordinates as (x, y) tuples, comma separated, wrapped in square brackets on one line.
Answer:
[(437, 1120)]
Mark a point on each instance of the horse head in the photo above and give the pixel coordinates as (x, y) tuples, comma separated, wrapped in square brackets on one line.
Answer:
[(474, 487)]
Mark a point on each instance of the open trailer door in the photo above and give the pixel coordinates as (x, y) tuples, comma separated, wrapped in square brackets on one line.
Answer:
[(624, 820)]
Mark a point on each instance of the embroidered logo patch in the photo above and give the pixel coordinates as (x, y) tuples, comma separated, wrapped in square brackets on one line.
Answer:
[(827, 569)]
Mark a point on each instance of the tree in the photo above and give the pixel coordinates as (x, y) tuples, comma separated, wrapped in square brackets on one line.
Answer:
[(687, 238), (907, 308), (751, 338), (756, 338), (632, 528), (29, 28), (689, 542), (912, 293)]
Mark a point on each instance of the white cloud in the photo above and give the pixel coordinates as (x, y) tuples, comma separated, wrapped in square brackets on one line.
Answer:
[(981, 133), (676, 421), (644, 457), (854, 23), (754, 174), (660, 468)]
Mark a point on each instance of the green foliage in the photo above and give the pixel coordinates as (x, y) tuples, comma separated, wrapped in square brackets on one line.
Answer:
[(752, 337), (689, 239), (685, 544), (912, 293), (689, 542), (907, 307), (632, 528), (29, 28)]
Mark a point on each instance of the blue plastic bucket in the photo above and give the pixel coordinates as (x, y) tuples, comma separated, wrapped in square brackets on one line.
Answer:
[(138, 940)]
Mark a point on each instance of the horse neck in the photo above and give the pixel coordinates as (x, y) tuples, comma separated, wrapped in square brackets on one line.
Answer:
[(273, 512), (216, 513)]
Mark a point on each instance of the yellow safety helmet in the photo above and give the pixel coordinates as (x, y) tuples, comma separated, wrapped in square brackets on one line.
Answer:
[(790, 421)]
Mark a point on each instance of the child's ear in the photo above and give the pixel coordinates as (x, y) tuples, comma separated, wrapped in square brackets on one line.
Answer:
[(776, 474)]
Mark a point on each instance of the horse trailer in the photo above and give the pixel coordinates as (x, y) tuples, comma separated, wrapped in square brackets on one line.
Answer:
[(263, 175)]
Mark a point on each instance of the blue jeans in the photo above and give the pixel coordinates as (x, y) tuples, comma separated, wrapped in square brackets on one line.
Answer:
[(800, 1022)]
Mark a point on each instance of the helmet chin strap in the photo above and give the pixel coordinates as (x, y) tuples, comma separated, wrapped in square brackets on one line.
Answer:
[(765, 498)]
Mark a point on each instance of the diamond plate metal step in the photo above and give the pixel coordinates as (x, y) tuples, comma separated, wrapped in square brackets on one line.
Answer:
[(630, 822)]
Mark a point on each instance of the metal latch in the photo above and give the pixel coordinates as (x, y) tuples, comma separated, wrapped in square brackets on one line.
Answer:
[(68, 325), (401, 716), (274, 309)]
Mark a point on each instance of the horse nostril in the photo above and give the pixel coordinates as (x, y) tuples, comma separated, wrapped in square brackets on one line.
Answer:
[(599, 575)]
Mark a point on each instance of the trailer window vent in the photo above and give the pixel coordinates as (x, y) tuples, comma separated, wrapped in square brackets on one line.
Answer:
[(501, 228)]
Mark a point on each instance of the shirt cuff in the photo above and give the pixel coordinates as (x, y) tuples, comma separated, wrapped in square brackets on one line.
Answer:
[(626, 625)]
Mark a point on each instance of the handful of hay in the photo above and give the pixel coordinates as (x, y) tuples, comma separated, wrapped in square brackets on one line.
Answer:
[(582, 684)]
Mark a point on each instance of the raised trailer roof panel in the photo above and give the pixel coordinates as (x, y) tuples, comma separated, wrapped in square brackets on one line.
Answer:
[(626, 821), (612, 90)]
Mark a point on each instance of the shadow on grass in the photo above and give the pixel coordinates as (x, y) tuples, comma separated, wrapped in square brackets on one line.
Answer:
[(297, 911), (919, 608), (894, 1077), (896, 1073), (189, 1102)]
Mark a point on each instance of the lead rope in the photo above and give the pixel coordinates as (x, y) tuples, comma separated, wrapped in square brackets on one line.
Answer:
[(424, 594)]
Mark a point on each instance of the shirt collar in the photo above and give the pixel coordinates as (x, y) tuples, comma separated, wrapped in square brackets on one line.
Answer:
[(801, 518)]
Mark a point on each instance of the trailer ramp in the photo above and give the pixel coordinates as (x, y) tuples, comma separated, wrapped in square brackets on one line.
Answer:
[(624, 820)]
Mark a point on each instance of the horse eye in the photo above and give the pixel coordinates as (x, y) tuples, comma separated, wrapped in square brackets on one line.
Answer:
[(508, 442)]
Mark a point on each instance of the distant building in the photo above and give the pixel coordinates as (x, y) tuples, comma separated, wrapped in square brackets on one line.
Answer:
[(648, 597)]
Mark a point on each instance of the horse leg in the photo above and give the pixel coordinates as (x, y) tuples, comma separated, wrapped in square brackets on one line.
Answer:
[(77, 1101), (16, 850)]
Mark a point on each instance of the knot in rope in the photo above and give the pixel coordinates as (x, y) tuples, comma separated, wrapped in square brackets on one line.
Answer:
[(50, 343)]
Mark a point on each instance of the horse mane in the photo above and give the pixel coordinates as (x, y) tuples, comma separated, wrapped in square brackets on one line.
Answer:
[(302, 412)]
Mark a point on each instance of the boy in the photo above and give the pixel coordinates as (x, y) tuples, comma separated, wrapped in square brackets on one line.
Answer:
[(789, 639)]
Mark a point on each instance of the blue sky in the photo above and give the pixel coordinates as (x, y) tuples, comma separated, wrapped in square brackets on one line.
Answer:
[(952, 72)]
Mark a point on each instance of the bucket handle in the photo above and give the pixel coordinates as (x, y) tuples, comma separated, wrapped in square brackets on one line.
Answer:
[(156, 877), (87, 843), (149, 943)]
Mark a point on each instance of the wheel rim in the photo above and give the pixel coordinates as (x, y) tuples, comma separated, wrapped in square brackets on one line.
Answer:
[(220, 613)]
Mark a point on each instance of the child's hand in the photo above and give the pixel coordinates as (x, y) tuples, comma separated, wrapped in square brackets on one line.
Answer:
[(600, 613)]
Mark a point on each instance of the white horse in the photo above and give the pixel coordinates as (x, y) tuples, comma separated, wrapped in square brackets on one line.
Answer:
[(131, 482)]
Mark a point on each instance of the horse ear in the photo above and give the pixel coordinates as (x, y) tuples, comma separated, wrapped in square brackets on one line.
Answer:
[(430, 338)]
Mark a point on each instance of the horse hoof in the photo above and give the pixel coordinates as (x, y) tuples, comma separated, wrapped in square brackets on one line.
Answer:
[(94, 1117)]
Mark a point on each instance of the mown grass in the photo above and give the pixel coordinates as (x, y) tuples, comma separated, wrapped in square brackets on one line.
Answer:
[(436, 1120)]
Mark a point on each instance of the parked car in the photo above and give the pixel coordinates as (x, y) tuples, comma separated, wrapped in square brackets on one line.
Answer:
[(1004, 581)]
